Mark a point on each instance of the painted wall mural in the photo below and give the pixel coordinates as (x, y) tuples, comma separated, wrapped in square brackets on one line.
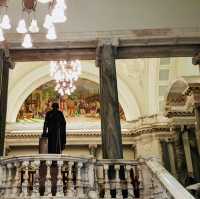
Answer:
[(84, 102)]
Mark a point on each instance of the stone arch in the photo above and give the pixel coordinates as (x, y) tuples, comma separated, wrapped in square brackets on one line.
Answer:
[(39, 76), (175, 94), (176, 99)]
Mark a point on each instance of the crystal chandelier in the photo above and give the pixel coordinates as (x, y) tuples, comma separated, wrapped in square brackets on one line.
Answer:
[(66, 73), (28, 23)]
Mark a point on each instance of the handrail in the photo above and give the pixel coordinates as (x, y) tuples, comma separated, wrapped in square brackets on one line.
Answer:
[(42, 157), (175, 189), (116, 162)]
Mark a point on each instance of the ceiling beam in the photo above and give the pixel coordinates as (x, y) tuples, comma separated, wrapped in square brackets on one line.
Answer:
[(158, 51), (145, 43), (124, 52), (25, 55)]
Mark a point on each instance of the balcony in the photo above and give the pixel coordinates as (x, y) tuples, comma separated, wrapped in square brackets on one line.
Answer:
[(60, 176)]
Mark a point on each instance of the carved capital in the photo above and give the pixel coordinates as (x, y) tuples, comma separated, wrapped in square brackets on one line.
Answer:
[(114, 42), (92, 149), (196, 59), (108, 41), (133, 147), (9, 62)]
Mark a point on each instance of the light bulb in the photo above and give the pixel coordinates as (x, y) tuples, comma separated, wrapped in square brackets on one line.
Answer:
[(21, 27), (34, 26), (1, 35), (48, 22), (61, 4), (51, 35), (27, 43), (5, 24), (58, 15)]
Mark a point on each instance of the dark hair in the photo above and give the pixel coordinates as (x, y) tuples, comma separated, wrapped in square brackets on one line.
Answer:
[(55, 106)]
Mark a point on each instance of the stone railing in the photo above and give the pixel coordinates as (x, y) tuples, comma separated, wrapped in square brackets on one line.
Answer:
[(45, 175), (163, 184), (60, 176)]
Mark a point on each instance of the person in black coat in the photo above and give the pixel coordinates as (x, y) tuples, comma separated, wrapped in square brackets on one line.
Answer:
[(55, 130)]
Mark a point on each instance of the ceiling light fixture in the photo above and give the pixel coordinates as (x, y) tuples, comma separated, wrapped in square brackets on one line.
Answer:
[(65, 73), (28, 24)]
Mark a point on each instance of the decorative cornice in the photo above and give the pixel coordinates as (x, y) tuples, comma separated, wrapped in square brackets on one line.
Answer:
[(97, 133), (155, 125), (171, 114)]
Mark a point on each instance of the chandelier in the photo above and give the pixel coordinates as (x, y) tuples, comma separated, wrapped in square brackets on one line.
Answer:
[(28, 24), (65, 73)]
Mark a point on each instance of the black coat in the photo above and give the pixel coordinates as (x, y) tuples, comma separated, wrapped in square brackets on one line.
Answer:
[(55, 130)]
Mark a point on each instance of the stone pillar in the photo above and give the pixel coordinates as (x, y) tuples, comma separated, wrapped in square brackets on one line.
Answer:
[(180, 155), (194, 91), (168, 152), (197, 125), (5, 64), (172, 157), (187, 151), (110, 119)]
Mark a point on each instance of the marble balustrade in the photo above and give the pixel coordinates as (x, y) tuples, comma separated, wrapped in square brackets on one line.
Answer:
[(60, 176)]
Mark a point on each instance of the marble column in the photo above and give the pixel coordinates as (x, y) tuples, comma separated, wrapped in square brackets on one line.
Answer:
[(197, 125), (4, 76), (110, 119), (188, 157), (181, 167), (168, 152), (172, 157), (194, 91)]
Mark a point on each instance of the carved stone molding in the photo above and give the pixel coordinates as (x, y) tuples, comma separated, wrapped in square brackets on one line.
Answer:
[(171, 114), (194, 91)]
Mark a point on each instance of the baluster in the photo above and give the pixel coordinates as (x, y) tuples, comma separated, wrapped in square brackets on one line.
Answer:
[(9, 180), (3, 179), (48, 179), (129, 185), (100, 180), (16, 185), (136, 182), (79, 184), (36, 183), (106, 181), (24, 193), (60, 180), (118, 184), (93, 191), (141, 178), (70, 190)]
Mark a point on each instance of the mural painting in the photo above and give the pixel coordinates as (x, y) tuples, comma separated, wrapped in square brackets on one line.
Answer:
[(84, 102)]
